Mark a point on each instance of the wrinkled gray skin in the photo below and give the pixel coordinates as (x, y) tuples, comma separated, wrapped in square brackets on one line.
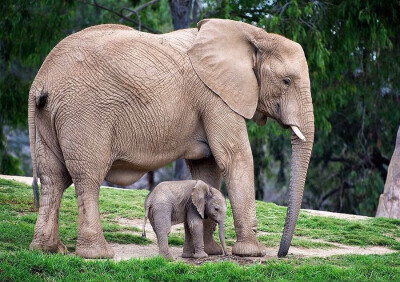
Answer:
[(188, 201), (111, 102)]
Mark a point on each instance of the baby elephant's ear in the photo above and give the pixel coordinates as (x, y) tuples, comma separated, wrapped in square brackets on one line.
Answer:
[(199, 194)]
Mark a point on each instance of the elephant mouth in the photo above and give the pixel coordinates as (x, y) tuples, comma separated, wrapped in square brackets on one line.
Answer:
[(295, 129), (261, 118)]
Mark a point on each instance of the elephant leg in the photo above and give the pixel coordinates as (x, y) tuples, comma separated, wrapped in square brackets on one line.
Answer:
[(188, 249), (232, 152), (244, 212), (196, 231), (161, 222), (90, 242), (54, 179), (207, 170)]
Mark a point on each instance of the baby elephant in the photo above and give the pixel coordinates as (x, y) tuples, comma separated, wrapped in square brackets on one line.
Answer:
[(188, 201)]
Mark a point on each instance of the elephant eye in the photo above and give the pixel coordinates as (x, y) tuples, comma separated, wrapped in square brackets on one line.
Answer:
[(286, 81), (217, 208)]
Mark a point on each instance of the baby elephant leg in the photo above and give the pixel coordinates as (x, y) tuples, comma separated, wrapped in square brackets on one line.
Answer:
[(195, 224), (188, 249), (161, 222)]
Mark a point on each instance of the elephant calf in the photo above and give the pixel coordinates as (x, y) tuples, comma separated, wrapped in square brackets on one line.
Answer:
[(188, 201)]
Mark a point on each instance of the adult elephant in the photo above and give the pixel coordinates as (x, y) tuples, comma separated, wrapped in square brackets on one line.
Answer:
[(112, 102)]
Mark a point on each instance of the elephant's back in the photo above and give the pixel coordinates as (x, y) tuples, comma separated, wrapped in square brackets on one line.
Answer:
[(105, 44), (102, 54)]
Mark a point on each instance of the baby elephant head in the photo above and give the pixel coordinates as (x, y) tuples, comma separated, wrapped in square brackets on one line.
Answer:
[(210, 203)]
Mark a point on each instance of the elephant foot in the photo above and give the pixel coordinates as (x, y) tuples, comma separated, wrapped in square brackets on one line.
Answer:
[(100, 249), (167, 256), (187, 254), (249, 249), (57, 247), (200, 255), (212, 248)]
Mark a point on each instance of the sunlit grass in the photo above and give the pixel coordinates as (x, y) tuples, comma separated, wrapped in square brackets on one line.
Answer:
[(35, 266)]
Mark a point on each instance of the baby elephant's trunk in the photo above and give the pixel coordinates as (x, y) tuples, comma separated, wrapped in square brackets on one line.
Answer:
[(221, 232)]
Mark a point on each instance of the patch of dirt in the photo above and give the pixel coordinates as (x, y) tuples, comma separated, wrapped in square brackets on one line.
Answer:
[(339, 250), (138, 223), (337, 215), (124, 252), (23, 179)]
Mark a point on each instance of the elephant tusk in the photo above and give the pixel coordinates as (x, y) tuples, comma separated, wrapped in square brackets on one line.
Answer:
[(297, 131)]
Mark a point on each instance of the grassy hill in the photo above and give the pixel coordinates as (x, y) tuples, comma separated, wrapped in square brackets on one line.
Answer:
[(17, 219)]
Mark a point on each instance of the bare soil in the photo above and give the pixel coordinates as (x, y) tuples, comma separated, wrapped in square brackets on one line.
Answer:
[(123, 252), (336, 215)]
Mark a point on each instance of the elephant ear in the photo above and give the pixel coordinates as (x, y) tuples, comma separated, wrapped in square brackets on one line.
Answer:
[(199, 193), (223, 56)]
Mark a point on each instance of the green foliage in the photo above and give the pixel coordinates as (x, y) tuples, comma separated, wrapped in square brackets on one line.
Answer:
[(9, 165), (29, 29)]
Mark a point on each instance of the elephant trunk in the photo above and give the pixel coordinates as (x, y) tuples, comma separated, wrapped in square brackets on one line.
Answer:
[(301, 152), (221, 233)]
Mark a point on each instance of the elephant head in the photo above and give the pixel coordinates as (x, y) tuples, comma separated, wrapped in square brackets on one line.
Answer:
[(210, 203), (259, 75)]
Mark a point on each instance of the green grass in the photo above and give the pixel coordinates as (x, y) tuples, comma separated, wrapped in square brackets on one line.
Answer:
[(34, 266), (373, 232), (175, 239), (17, 218)]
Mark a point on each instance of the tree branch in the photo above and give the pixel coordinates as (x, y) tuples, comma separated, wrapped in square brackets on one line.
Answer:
[(141, 7), (130, 14), (137, 9), (345, 185), (95, 4)]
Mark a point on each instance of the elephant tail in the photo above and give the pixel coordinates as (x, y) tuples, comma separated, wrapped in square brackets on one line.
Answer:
[(36, 101), (146, 215), (144, 227)]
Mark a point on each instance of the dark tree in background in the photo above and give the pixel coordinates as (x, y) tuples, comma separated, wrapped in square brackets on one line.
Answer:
[(181, 11)]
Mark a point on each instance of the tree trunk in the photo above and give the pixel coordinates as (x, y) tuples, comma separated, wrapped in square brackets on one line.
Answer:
[(181, 170), (150, 180), (180, 13), (389, 201)]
